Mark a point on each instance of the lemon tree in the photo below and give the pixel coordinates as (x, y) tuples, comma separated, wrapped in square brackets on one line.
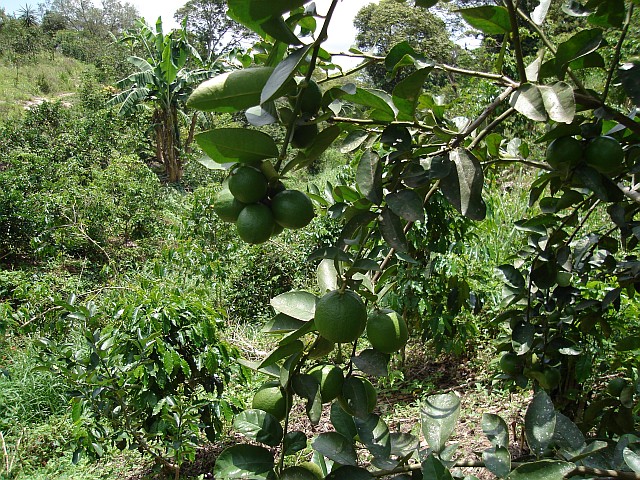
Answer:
[(410, 152)]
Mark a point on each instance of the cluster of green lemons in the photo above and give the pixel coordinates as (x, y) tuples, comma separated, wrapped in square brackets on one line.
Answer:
[(341, 317), (603, 153), (259, 208)]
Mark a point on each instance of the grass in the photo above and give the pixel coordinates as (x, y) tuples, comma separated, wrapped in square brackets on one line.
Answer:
[(42, 76)]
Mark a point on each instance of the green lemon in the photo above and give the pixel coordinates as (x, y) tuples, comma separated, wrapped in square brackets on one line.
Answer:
[(509, 363), (226, 206), (330, 379), (292, 209), (270, 398), (255, 223), (605, 155), (340, 317), (615, 386), (311, 98), (564, 153), (248, 184), (386, 331)]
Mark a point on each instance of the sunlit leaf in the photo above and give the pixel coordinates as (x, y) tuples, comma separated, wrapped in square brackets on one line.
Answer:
[(335, 447), (296, 304), (260, 426), (439, 414), (244, 461), (491, 20), (542, 470), (463, 186), (540, 423), (226, 145)]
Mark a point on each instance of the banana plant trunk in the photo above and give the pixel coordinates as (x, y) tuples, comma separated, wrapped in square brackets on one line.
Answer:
[(168, 144)]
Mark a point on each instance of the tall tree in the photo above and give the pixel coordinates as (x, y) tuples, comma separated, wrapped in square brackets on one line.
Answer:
[(213, 30), (113, 16), (381, 26), (162, 83)]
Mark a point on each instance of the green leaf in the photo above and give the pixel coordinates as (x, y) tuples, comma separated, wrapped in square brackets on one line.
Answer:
[(463, 186), (231, 145), (629, 76), (426, 3), (439, 414), (342, 421), (540, 12), (402, 55), (522, 337), (353, 140), (321, 143), (559, 102), (568, 436), (378, 100), (542, 470), (278, 29), (282, 323), (308, 387), (490, 20), (403, 444), (498, 461), (76, 410), (297, 304), (244, 461), (349, 472), (279, 81), (335, 447), (407, 93), (512, 277), (393, 231), (374, 434), (632, 459), (496, 430), (369, 177), (282, 352), (433, 469), (529, 102), (610, 14), (260, 426), (628, 343), (294, 442), (580, 45), (327, 276), (372, 362), (540, 423), (406, 204)]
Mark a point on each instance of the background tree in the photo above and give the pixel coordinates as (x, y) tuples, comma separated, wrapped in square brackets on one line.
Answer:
[(162, 81), (112, 16), (213, 30), (381, 26)]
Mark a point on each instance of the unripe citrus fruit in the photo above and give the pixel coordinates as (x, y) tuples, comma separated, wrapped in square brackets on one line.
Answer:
[(277, 229), (226, 206), (303, 135), (292, 209), (255, 223), (270, 398), (313, 468), (358, 396), (605, 155), (615, 386), (311, 98), (509, 363), (552, 377), (330, 379), (564, 152), (248, 184), (298, 473), (232, 91), (340, 317), (386, 331)]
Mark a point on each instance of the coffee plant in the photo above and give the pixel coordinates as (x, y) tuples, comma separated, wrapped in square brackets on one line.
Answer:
[(568, 296)]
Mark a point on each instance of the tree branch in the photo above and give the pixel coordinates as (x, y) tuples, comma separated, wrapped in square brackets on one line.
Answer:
[(513, 19)]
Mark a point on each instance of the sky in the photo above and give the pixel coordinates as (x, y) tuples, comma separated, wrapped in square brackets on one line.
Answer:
[(341, 31)]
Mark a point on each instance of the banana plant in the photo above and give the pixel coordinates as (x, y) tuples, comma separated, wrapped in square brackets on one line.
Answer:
[(161, 83)]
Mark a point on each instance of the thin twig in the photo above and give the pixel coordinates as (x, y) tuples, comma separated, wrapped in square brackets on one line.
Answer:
[(616, 54), (513, 19)]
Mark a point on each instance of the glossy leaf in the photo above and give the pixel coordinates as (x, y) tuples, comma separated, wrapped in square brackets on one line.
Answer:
[(282, 323), (282, 352), (353, 140), (327, 276), (308, 387), (407, 93), (542, 470), (294, 442), (632, 459), (378, 100), (259, 426), (522, 337), (393, 231), (609, 14), (567, 435), (496, 430), (297, 304), (463, 186), (529, 102), (232, 145), (401, 55), (433, 469), (559, 102), (374, 434), (498, 461), (439, 414), (349, 472), (579, 45), (407, 204), (335, 447), (540, 12), (491, 20), (279, 81), (372, 362), (244, 461), (540, 423), (511, 276), (342, 421)]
